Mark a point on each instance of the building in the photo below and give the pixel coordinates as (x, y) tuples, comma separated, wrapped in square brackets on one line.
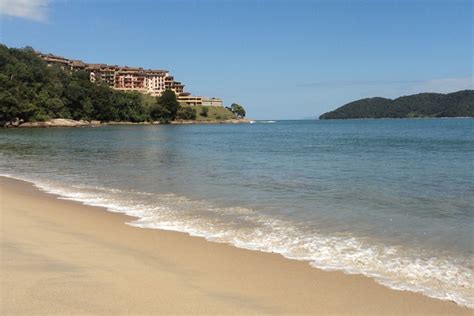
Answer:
[(51, 59), (150, 81), (211, 102), (195, 100), (188, 99)]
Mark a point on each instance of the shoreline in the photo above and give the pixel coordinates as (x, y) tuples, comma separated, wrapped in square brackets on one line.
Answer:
[(189, 273), (82, 123), (396, 118)]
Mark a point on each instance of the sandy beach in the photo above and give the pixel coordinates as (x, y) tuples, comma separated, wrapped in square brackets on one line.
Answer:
[(62, 257)]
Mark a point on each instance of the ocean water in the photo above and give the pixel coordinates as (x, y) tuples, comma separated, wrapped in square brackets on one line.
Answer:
[(390, 199)]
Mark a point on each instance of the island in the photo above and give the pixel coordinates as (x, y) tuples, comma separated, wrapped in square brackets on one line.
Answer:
[(456, 104)]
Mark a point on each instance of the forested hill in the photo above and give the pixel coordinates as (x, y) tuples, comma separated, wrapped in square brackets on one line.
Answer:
[(31, 91), (456, 104)]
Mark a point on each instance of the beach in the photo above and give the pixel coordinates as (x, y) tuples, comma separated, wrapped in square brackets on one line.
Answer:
[(63, 257)]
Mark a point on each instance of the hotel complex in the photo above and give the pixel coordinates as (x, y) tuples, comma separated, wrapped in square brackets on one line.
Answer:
[(152, 82)]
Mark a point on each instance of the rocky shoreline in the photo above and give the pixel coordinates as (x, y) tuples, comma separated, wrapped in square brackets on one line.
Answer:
[(231, 121), (83, 123)]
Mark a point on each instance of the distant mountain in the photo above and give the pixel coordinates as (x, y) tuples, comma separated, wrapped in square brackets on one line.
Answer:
[(456, 104)]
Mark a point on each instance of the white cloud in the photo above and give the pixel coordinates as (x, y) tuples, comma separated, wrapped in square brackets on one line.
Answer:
[(444, 85), (29, 9), (395, 87)]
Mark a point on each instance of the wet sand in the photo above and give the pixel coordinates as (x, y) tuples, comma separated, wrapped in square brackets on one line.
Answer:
[(63, 257)]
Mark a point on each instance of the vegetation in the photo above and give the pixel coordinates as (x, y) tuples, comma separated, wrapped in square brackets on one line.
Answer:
[(32, 91), (166, 108), (204, 111), (186, 113), (213, 113), (456, 104), (237, 109)]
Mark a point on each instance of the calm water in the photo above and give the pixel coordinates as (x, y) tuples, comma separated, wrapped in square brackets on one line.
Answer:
[(392, 199)]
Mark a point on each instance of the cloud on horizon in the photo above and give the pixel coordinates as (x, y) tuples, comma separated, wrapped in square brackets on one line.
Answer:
[(35, 10), (355, 83), (444, 85)]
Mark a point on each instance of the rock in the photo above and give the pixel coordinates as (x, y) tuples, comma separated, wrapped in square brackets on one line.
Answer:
[(59, 123), (13, 123), (229, 121)]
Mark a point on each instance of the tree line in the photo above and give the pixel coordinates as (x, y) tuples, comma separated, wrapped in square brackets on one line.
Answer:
[(456, 104), (30, 90)]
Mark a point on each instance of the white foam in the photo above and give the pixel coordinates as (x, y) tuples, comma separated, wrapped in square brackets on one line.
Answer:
[(436, 276)]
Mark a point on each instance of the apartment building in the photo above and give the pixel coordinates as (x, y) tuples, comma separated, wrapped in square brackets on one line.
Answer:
[(195, 100), (150, 81)]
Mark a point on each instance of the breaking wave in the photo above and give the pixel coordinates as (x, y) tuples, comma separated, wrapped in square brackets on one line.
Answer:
[(435, 275)]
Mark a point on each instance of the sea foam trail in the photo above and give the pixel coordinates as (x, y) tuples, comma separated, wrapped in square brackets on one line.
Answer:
[(441, 277)]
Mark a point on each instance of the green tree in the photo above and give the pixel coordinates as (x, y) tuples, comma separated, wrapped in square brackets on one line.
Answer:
[(9, 107), (166, 107), (55, 107), (186, 113), (238, 110), (158, 113), (204, 111)]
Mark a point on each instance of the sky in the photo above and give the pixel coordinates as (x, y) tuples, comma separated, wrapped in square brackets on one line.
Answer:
[(288, 59)]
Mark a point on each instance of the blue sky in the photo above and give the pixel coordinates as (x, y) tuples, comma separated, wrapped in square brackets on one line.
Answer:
[(280, 59)]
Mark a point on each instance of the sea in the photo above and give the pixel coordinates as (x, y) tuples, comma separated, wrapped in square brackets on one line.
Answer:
[(392, 199)]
